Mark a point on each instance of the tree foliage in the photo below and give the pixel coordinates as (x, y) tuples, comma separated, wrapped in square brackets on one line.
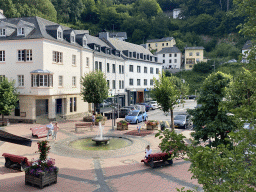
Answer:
[(8, 97), (95, 88)]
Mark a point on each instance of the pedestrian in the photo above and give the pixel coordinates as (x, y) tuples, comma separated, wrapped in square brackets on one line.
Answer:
[(50, 129), (93, 119), (56, 129), (148, 151)]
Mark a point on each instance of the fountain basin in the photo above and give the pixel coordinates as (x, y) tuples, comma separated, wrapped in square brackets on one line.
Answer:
[(100, 140)]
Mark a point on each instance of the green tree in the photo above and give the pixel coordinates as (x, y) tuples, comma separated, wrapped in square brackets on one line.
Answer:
[(8, 97), (211, 120), (95, 88), (166, 94)]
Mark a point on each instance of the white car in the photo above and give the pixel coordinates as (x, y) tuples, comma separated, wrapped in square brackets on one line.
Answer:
[(154, 105)]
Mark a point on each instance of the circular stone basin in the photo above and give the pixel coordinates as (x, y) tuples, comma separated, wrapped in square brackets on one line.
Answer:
[(113, 144)]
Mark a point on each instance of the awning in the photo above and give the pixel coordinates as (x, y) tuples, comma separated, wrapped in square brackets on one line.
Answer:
[(8, 137), (45, 71)]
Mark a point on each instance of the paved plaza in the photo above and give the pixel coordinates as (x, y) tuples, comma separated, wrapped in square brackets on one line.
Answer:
[(99, 171)]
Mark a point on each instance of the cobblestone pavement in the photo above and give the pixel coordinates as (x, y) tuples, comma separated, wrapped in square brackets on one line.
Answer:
[(98, 171)]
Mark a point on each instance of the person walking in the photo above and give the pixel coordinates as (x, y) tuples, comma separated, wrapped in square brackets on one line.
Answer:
[(56, 129), (148, 151), (50, 129), (93, 119)]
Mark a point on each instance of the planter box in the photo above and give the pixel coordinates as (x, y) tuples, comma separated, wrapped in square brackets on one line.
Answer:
[(102, 123), (41, 180), (152, 127), (122, 127), (87, 119)]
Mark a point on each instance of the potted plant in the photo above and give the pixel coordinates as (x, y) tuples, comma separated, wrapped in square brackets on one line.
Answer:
[(122, 125), (43, 171), (152, 124), (100, 118)]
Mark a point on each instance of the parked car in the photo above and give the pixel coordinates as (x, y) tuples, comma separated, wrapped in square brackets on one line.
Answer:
[(182, 121), (124, 111), (104, 104), (130, 107), (191, 96), (148, 106), (153, 105), (136, 116)]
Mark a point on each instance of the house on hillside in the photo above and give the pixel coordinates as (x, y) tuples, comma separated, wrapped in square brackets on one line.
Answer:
[(159, 44), (46, 60), (170, 57), (245, 51), (141, 66), (193, 55), (176, 13)]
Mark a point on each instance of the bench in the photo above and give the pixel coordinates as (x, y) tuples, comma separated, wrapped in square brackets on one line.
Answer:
[(15, 161), (39, 132), (158, 160), (83, 125)]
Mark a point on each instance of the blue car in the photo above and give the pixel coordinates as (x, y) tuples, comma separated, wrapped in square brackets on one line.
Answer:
[(136, 116)]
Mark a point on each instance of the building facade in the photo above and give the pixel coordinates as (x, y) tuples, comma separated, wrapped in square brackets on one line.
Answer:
[(159, 44), (193, 55), (170, 57), (246, 50), (46, 61)]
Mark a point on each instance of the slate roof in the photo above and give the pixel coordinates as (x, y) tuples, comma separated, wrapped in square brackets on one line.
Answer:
[(160, 40), (193, 48), (173, 49), (123, 45), (118, 34), (95, 40), (247, 45), (41, 71)]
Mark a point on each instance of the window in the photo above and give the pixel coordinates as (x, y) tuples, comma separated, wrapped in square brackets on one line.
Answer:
[(148, 45), (75, 99), (25, 55), (138, 69), (100, 66), (151, 82), (156, 44), (175, 60), (2, 32), (57, 57), (84, 42), (120, 69), (2, 77), (96, 65), (163, 55), (145, 82), (166, 44), (20, 80), (190, 54), (190, 66), (138, 81), (60, 81), (87, 61), (151, 70), (74, 81), (73, 59), (175, 55), (41, 80), (72, 39), (131, 68), (157, 70), (108, 83), (120, 84), (59, 34), (113, 84), (113, 68), (145, 70), (170, 55), (170, 61), (197, 54), (20, 31), (163, 62), (71, 105), (197, 60), (130, 81), (108, 67), (2, 55), (190, 61), (162, 44)]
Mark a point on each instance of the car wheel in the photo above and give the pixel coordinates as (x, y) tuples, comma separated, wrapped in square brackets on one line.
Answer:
[(8, 163), (137, 121)]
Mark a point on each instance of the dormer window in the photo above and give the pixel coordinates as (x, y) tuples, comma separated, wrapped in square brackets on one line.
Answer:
[(59, 34), (72, 39), (2, 32), (84, 42), (20, 31)]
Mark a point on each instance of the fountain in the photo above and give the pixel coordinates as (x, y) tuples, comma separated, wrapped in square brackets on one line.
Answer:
[(100, 139)]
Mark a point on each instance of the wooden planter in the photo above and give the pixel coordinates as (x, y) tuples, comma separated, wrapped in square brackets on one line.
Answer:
[(152, 127), (41, 180), (102, 123), (122, 127)]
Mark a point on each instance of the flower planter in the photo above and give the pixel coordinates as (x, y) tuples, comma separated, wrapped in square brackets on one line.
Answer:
[(41, 180), (122, 127), (102, 123), (125, 127), (152, 127)]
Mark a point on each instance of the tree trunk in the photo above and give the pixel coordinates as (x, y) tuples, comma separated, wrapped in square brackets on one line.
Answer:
[(94, 108), (172, 121)]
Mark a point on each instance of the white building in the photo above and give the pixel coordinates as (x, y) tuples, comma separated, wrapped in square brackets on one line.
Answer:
[(245, 51), (141, 67), (170, 57), (176, 13), (46, 60)]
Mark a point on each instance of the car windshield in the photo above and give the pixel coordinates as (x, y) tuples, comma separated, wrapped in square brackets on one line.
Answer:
[(180, 117), (133, 114)]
